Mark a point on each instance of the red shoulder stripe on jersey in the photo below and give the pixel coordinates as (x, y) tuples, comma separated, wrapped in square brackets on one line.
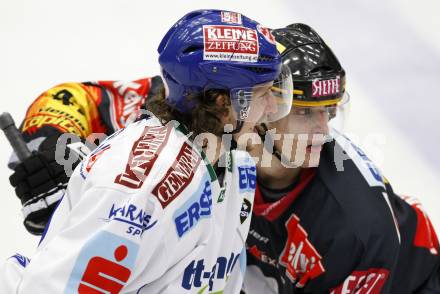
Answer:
[(273, 210), (425, 235)]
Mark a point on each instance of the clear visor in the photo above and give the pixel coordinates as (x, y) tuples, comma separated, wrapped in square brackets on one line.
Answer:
[(264, 102), (339, 113), (321, 119)]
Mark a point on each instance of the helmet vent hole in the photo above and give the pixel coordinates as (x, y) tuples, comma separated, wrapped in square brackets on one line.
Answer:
[(265, 58), (258, 70), (321, 69)]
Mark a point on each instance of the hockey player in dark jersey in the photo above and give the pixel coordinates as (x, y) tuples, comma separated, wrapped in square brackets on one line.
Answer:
[(325, 220)]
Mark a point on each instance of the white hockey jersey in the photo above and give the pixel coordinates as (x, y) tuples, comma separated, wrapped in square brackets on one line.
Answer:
[(144, 213)]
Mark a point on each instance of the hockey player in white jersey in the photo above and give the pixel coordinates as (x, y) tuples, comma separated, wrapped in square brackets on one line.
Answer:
[(145, 212)]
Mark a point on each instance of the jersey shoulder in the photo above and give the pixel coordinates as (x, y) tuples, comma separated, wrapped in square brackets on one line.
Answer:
[(146, 157), (358, 188)]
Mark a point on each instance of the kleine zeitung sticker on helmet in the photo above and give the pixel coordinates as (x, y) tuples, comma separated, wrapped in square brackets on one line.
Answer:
[(326, 87), (230, 43), (231, 17)]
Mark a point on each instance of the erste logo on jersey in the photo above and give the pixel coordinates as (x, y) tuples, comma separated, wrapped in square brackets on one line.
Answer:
[(104, 265), (247, 178), (199, 206), (326, 87), (302, 261), (368, 169), (178, 176), (231, 17), (370, 165), (195, 274), (230, 43), (370, 281), (136, 218), (143, 155)]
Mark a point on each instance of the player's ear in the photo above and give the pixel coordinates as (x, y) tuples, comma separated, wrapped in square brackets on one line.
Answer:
[(220, 101)]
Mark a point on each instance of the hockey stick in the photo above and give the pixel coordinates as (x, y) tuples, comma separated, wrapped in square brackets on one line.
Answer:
[(14, 137)]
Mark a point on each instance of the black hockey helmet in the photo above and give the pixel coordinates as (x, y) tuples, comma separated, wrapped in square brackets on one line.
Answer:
[(318, 77)]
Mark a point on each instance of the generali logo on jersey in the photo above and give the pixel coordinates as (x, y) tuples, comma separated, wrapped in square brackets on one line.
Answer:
[(178, 176), (230, 43), (231, 17), (326, 87), (143, 156), (302, 261)]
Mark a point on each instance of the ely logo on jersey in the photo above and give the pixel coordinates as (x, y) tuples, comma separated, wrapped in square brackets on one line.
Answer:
[(195, 274), (247, 178), (231, 17), (194, 209), (326, 87), (370, 281), (300, 258), (103, 266), (137, 219), (178, 176), (143, 156), (230, 43)]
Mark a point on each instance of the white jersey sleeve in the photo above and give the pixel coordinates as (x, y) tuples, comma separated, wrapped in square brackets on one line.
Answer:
[(143, 213)]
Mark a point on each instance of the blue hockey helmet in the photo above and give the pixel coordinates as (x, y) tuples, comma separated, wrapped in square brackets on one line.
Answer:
[(214, 49)]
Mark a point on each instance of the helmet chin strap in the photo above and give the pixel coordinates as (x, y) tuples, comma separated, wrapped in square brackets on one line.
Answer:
[(283, 160)]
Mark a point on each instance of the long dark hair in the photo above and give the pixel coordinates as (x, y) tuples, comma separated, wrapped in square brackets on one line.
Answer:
[(205, 117)]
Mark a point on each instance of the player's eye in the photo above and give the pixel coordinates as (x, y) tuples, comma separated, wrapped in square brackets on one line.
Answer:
[(303, 111)]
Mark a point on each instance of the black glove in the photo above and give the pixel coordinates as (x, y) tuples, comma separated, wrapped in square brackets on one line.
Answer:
[(40, 182)]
